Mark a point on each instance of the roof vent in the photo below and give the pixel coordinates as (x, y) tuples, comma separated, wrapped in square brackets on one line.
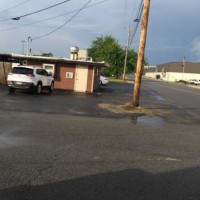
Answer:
[(74, 50), (74, 53)]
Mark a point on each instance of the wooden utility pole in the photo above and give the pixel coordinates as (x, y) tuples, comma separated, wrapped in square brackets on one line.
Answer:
[(23, 41), (127, 48), (140, 61)]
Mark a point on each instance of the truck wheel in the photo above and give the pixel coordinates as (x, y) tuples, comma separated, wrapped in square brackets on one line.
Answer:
[(38, 89), (51, 88)]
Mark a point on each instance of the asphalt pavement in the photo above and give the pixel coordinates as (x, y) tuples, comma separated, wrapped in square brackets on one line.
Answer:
[(64, 146)]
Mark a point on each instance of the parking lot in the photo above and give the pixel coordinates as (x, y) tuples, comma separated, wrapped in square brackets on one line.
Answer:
[(64, 146), (64, 102)]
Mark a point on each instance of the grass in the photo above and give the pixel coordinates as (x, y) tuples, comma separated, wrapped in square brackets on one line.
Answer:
[(116, 80)]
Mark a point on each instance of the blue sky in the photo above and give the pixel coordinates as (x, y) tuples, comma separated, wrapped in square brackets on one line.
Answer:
[(174, 27)]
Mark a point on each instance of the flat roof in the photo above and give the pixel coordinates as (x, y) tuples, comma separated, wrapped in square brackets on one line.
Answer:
[(190, 67), (17, 57)]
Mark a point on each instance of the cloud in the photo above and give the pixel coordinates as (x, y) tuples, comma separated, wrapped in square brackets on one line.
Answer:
[(172, 27), (196, 47)]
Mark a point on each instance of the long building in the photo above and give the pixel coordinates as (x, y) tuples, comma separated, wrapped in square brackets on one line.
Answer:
[(174, 71)]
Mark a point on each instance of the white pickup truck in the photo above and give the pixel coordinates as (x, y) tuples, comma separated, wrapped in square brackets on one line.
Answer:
[(27, 77)]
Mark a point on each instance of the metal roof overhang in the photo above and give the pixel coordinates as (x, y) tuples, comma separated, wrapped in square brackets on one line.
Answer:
[(9, 58), (17, 58)]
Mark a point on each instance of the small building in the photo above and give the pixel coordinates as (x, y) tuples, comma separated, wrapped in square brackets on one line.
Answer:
[(80, 75)]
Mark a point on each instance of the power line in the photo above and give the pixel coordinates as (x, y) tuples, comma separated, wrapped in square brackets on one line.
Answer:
[(137, 20), (19, 17), (136, 28), (125, 12), (134, 6), (70, 12), (15, 6), (35, 38)]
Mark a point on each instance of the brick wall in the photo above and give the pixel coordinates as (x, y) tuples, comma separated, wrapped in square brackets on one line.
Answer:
[(34, 63), (61, 82), (90, 79)]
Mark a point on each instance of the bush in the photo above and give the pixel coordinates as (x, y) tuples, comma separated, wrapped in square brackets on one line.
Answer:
[(157, 76), (182, 81)]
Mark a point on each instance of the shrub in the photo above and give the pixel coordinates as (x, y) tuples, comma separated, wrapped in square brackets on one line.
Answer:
[(157, 76), (182, 81)]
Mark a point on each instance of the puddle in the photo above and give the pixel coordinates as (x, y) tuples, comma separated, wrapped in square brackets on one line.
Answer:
[(11, 100), (8, 141), (157, 96), (143, 120), (77, 112), (169, 159), (160, 98)]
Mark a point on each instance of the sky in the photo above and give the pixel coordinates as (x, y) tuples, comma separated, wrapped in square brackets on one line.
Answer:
[(173, 29)]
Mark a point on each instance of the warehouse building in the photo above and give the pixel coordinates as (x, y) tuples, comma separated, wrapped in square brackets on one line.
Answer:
[(174, 71)]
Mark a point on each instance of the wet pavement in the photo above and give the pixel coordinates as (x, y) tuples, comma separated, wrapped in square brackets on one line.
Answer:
[(68, 103), (64, 146)]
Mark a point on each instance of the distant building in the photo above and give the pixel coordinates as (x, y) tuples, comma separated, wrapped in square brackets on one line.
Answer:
[(174, 71)]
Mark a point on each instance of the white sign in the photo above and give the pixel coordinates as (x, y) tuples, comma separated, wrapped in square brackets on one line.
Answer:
[(69, 74)]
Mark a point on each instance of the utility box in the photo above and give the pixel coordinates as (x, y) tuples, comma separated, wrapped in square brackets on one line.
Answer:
[(83, 54)]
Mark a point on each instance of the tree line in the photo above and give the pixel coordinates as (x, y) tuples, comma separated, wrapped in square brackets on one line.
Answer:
[(107, 48)]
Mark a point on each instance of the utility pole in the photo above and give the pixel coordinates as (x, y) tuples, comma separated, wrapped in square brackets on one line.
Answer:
[(127, 48), (183, 66), (29, 40), (140, 61), (23, 41)]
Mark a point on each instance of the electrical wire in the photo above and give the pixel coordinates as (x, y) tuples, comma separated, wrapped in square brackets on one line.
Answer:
[(15, 6), (138, 19), (125, 12), (136, 28), (134, 6), (38, 37), (70, 12), (19, 17), (139, 9)]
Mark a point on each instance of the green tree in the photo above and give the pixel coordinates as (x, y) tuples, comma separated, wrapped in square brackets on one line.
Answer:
[(107, 48)]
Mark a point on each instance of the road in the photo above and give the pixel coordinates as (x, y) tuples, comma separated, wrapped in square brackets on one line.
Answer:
[(182, 98), (65, 147)]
